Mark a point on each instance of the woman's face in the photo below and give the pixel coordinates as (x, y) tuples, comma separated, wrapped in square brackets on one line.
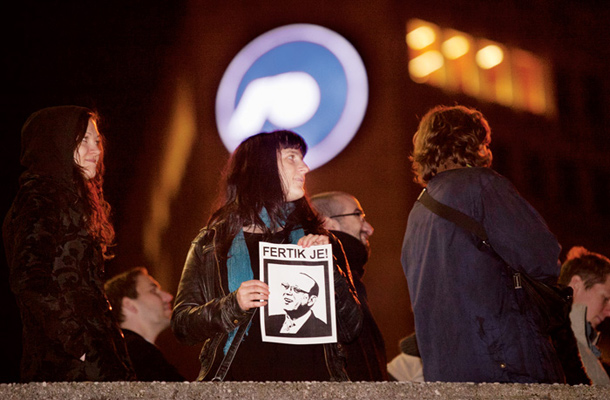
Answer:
[(292, 171), (88, 152)]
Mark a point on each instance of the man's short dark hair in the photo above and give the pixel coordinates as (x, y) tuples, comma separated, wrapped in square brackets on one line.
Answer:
[(592, 267), (122, 285)]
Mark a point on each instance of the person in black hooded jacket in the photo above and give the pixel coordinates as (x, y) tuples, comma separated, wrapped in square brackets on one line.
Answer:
[(56, 236)]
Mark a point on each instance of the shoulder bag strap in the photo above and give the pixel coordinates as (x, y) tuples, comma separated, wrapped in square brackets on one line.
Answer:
[(466, 222), (453, 215)]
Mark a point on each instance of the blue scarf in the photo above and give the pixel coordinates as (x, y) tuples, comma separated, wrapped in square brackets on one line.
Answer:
[(238, 263)]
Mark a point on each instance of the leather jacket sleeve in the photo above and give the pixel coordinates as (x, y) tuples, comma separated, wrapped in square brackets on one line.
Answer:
[(202, 308), (349, 313)]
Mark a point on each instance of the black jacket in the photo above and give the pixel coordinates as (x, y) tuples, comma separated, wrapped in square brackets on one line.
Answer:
[(148, 361), (205, 311), (56, 266), (366, 356)]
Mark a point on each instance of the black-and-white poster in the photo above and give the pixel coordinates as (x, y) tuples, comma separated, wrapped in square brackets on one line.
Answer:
[(301, 308)]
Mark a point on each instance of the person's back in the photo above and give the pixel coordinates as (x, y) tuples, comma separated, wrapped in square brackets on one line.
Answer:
[(469, 327), (468, 323)]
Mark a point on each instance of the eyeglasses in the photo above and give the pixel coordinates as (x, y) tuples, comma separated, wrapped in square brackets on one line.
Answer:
[(358, 213), (295, 289)]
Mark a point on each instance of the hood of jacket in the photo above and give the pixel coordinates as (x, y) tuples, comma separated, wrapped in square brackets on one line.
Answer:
[(48, 140)]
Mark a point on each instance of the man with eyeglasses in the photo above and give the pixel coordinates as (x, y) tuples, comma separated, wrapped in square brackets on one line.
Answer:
[(300, 293), (344, 217)]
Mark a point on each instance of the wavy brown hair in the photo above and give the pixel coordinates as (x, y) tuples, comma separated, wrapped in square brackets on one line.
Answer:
[(96, 207), (450, 137)]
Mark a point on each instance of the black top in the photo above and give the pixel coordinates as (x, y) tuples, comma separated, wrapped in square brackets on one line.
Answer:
[(256, 360), (148, 361)]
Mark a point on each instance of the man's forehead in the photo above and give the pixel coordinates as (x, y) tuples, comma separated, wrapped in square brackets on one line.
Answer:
[(349, 203), (145, 281)]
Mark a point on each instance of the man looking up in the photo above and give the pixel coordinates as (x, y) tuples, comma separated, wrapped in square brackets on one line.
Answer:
[(143, 310), (588, 274), (344, 217)]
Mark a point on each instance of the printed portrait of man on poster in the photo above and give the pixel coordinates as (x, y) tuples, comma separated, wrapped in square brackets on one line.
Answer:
[(301, 307)]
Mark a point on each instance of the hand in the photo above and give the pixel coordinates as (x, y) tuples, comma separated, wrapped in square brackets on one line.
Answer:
[(252, 294), (313, 240)]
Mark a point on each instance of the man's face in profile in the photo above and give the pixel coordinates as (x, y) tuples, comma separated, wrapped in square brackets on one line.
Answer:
[(296, 295)]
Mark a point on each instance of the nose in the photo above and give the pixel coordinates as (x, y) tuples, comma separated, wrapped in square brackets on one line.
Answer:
[(368, 228), (167, 297), (95, 148), (606, 310), (304, 167)]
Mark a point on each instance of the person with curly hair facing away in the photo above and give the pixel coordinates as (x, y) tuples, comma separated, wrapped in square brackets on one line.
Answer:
[(468, 322)]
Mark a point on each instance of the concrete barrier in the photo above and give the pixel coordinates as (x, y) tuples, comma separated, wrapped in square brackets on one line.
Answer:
[(294, 390)]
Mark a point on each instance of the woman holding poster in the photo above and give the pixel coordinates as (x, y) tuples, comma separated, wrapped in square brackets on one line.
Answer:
[(263, 200)]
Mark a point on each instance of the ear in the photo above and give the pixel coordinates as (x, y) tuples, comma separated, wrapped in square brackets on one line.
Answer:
[(128, 306), (577, 284), (312, 300), (331, 224)]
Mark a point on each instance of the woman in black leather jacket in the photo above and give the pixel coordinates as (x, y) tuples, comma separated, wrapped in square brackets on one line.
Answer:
[(219, 292)]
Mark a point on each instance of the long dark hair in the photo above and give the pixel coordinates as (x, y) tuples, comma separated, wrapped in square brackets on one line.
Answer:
[(97, 209), (252, 181)]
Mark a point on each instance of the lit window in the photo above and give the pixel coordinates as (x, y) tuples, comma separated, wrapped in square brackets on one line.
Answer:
[(455, 47), (458, 62), (489, 56)]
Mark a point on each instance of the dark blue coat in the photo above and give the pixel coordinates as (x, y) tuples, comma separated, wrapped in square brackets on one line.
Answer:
[(468, 321)]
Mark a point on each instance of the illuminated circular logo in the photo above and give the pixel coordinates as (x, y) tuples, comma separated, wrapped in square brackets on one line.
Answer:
[(301, 77)]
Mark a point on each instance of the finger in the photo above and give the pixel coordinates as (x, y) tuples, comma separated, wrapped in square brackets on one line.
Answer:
[(306, 241), (255, 286), (313, 240), (247, 301), (323, 239)]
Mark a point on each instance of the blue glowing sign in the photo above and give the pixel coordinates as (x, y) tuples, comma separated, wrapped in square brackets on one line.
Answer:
[(301, 77)]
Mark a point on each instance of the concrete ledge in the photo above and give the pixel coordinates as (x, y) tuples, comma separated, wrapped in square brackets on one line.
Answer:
[(295, 390)]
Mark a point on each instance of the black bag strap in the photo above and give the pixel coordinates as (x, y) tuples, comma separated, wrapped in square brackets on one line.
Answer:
[(453, 215), (228, 358), (466, 222)]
